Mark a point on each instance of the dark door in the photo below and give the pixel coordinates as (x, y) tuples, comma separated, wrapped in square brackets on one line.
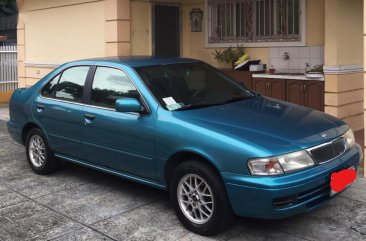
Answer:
[(167, 31)]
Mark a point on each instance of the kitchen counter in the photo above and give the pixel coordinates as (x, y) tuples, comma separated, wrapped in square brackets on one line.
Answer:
[(298, 76)]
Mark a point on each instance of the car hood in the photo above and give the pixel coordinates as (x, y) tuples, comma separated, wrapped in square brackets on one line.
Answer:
[(272, 124)]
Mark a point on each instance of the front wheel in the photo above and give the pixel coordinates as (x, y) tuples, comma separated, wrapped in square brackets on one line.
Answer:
[(39, 155), (199, 198)]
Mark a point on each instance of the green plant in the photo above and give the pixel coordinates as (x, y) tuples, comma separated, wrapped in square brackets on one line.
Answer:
[(317, 68), (229, 55)]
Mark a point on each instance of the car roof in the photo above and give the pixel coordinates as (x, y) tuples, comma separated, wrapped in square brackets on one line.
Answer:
[(141, 61)]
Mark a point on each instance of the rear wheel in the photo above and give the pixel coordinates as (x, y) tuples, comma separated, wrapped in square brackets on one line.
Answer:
[(39, 155), (199, 198)]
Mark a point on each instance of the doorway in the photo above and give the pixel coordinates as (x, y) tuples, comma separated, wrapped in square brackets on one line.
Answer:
[(166, 25)]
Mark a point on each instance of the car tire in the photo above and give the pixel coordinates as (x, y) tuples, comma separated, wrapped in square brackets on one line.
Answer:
[(39, 155), (199, 198)]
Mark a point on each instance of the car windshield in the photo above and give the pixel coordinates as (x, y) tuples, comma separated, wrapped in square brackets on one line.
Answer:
[(191, 85)]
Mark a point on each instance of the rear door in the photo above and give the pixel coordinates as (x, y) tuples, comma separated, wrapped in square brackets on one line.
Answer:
[(59, 110), (120, 141)]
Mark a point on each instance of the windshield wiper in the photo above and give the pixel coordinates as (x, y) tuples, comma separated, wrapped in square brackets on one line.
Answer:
[(235, 99), (195, 106)]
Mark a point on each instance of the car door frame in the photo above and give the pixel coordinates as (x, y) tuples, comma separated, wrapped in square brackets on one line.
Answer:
[(39, 105), (148, 113)]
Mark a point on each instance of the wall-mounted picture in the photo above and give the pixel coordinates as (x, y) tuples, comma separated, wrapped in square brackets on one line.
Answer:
[(196, 20)]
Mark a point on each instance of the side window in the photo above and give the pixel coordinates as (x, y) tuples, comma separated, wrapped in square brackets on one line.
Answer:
[(49, 89), (71, 84), (109, 85)]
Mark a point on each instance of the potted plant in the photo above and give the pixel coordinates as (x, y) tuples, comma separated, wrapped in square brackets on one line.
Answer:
[(229, 55)]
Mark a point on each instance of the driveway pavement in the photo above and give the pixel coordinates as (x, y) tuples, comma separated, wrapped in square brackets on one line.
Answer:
[(77, 203)]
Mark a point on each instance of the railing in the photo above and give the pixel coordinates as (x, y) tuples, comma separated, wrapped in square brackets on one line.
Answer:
[(8, 67)]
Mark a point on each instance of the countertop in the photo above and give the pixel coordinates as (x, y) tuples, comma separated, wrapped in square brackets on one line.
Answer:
[(298, 76)]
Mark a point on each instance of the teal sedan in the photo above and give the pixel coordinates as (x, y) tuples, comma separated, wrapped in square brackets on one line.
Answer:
[(181, 125)]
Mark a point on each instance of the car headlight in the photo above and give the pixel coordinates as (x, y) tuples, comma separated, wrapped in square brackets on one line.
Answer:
[(350, 138), (280, 164)]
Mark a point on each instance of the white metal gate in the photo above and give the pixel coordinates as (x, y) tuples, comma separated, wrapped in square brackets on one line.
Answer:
[(8, 67)]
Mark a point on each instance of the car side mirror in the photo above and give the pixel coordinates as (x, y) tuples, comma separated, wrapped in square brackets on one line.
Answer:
[(128, 105)]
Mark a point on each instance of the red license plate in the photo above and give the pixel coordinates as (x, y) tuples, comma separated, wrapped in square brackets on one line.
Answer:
[(341, 180)]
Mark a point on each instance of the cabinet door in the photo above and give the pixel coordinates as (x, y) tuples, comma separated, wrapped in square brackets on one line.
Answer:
[(277, 89), (314, 94), (260, 86), (294, 91)]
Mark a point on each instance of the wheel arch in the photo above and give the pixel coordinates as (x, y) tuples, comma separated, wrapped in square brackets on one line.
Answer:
[(27, 127), (179, 157)]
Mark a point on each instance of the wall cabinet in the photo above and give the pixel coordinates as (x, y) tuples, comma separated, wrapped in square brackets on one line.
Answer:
[(274, 88), (309, 93)]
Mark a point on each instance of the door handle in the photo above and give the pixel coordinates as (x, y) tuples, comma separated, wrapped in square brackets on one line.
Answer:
[(89, 116), (41, 107)]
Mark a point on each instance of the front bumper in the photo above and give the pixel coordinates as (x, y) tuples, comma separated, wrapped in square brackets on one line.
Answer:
[(286, 195)]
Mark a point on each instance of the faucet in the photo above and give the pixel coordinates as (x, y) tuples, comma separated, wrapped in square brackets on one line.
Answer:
[(285, 56)]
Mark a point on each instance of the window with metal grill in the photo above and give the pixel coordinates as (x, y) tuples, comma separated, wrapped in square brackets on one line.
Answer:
[(253, 21)]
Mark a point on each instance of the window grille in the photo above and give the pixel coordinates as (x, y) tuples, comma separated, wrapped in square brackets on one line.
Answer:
[(253, 21)]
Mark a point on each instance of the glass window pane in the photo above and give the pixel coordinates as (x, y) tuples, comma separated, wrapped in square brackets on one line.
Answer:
[(109, 85), (71, 83), (49, 89)]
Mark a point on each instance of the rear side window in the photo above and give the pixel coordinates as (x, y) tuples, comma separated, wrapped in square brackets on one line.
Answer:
[(71, 84), (109, 85), (50, 88)]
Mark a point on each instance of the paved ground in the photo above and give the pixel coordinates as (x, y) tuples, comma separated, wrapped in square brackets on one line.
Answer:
[(4, 112), (81, 204)]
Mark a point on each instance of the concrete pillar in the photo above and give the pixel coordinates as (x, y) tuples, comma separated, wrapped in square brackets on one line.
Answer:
[(117, 28), (343, 57)]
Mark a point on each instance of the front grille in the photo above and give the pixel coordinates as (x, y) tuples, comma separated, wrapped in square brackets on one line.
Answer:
[(328, 151)]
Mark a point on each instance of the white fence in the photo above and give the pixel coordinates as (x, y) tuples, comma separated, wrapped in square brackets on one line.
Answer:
[(8, 67)]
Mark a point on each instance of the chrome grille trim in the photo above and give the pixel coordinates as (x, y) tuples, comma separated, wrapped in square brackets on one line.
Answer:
[(328, 151)]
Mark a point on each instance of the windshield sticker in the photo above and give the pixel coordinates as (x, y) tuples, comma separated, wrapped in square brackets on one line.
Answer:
[(169, 101), (174, 106)]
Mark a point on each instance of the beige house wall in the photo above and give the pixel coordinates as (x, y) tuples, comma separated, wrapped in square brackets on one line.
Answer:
[(141, 31), (53, 32), (344, 61), (47, 38)]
